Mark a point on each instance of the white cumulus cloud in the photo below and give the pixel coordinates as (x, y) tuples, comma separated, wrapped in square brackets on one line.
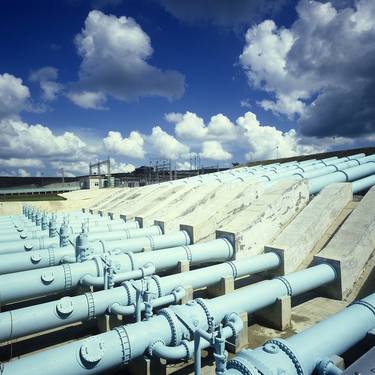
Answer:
[(13, 95), (46, 77), (114, 53), (133, 146), (214, 150)]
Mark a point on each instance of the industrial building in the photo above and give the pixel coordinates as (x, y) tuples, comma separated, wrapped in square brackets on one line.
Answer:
[(264, 269)]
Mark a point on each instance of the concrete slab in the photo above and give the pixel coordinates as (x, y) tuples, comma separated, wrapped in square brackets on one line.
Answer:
[(299, 238), (351, 247), (263, 220), (225, 202)]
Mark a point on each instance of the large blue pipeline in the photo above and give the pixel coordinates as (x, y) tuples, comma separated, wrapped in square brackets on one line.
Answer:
[(169, 334), (312, 349), (122, 300), (38, 282), (84, 250)]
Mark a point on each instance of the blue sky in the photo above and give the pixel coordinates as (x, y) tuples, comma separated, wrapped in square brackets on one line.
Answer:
[(140, 80)]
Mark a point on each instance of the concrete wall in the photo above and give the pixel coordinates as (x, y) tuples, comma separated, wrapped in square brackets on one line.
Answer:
[(351, 247), (299, 238)]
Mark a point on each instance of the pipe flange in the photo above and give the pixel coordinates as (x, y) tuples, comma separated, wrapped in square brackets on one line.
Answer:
[(156, 278), (174, 325), (287, 284), (125, 344), (189, 354), (364, 303), (323, 366), (209, 317), (235, 364), (90, 305), (285, 348), (234, 269), (126, 285), (189, 255), (51, 257), (150, 348), (67, 276), (28, 246)]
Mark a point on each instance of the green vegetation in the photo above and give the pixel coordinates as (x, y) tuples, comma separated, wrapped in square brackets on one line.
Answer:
[(31, 198)]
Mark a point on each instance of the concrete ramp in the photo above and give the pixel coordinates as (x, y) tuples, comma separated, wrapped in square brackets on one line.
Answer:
[(263, 220), (298, 239), (227, 200), (351, 247)]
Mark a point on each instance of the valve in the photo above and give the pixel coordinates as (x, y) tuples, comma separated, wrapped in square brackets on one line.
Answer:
[(64, 234)]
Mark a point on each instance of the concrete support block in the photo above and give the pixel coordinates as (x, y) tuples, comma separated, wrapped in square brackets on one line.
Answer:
[(147, 366), (278, 315), (338, 361), (143, 221), (107, 322), (123, 217), (296, 242), (351, 247), (224, 286), (236, 344), (183, 266), (166, 226), (189, 295), (91, 211), (101, 213), (263, 220), (191, 231)]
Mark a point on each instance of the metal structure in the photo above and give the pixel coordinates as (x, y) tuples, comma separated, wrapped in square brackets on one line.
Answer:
[(98, 165)]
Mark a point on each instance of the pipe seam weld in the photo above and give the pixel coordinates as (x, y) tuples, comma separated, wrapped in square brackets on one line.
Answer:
[(152, 242), (125, 344), (189, 255), (365, 304), (234, 269), (131, 258), (287, 284), (285, 348)]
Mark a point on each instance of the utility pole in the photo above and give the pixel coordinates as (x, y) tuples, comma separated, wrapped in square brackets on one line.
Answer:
[(62, 175)]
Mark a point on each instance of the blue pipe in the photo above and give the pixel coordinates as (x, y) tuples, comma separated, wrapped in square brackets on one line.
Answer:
[(311, 349), (173, 328), (38, 282), (124, 296)]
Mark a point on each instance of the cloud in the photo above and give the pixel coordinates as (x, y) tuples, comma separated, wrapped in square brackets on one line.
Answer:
[(119, 167), (183, 165), (214, 150), (320, 70), (246, 103), (18, 162), (189, 126), (71, 168), (13, 95), (133, 146), (46, 77), (167, 146), (87, 99), (222, 12), (19, 139), (23, 173), (114, 53)]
